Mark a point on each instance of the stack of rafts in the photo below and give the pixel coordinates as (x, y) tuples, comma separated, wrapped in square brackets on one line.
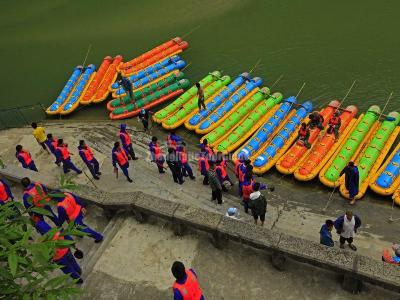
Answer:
[(86, 86)]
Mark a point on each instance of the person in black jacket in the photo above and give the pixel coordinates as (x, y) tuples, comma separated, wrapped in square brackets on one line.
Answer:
[(351, 180), (174, 165)]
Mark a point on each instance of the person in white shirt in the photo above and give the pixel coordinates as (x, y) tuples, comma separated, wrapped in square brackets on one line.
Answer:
[(347, 226)]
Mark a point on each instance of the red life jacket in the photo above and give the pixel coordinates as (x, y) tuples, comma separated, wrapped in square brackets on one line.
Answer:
[(170, 142), (3, 193), (238, 164), (247, 190), (127, 137), (183, 156), (334, 120), (59, 252), (223, 171), (303, 132), (88, 153), (37, 193), (205, 161), (122, 158), (190, 290), (64, 152), (26, 156), (54, 143), (241, 173), (70, 206), (157, 151)]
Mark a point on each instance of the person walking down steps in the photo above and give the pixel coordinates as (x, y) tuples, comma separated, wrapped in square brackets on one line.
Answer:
[(156, 154), (120, 157), (86, 153), (215, 185), (127, 142), (175, 166), (63, 155), (40, 135), (25, 158)]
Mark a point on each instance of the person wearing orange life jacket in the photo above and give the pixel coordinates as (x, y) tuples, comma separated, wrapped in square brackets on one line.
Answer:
[(71, 209), (183, 158), (186, 285), (304, 134), (204, 148), (63, 256), (334, 124), (5, 193), (203, 166), (120, 157), (63, 155), (242, 169), (25, 158), (247, 189), (86, 153), (156, 154), (222, 175), (36, 195), (173, 140), (127, 142)]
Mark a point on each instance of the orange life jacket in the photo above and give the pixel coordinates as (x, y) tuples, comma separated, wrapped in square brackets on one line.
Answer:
[(127, 137), (26, 156), (54, 143), (122, 158), (190, 290), (88, 153), (303, 132), (247, 190), (70, 206), (334, 120), (170, 142), (157, 151), (59, 252), (64, 152), (238, 164), (3, 193), (183, 156), (223, 171), (205, 161), (37, 193)]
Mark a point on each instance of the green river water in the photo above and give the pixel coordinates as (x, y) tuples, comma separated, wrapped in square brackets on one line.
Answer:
[(327, 44)]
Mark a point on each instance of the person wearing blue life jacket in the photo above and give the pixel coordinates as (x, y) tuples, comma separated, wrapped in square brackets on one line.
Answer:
[(36, 195), (120, 157), (63, 155), (71, 209), (62, 255), (183, 158), (156, 154), (186, 285), (86, 153), (127, 142), (325, 234), (25, 158)]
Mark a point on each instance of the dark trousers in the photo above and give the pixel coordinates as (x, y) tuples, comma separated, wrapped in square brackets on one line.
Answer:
[(145, 124), (93, 167), (205, 179), (43, 146), (68, 165), (217, 195), (32, 166), (124, 169), (84, 228), (187, 170), (200, 103), (177, 175), (53, 216), (342, 240), (246, 205), (129, 148), (69, 265)]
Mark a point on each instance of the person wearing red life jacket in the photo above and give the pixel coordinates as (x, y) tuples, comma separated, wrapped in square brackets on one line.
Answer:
[(63, 155), (183, 158), (242, 169), (173, 140), (5, 193), (71, 209), (156, 154), (303, 135), (222, 174), (25, 158), (186, 285), (334, 124), (120, 157), (63, 255), (86, 153), (247, 189), (204, 148), (36, 195), (127, 142), (203, 166)]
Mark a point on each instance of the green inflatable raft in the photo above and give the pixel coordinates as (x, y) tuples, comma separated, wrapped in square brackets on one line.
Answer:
[(167, 111)]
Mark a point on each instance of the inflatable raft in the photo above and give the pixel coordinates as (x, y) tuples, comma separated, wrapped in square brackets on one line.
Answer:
[(148, 90), (190, 107), (326, 147), (159, 74), (151, 100), (216, 101), (55, 107), (354, 143), (147, 71), (190, 94), (387, 180), (110, 76), (372, 156), (236, 101), (236, 117), (290, 161), (243, 130), (167, 49), (97, 79), (268, 154), (396, 196)]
